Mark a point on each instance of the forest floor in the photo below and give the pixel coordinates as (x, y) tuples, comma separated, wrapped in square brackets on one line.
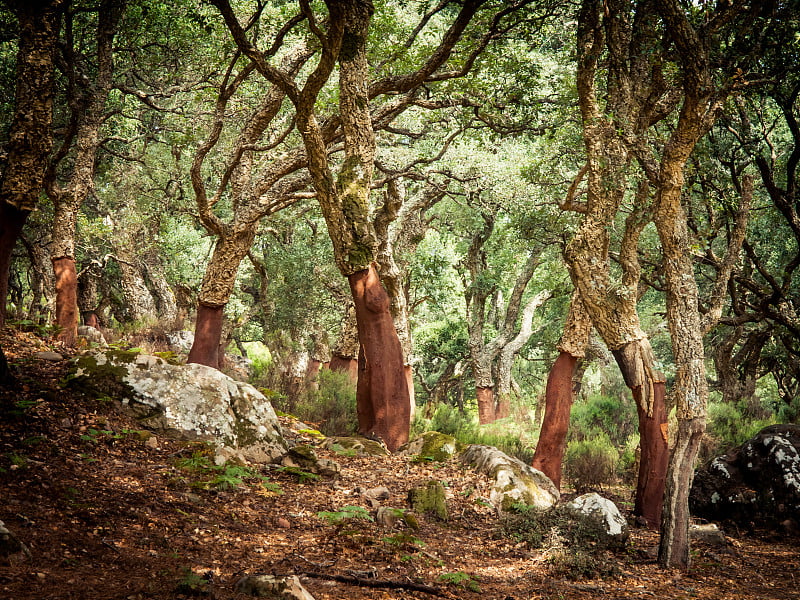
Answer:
[(109, 513)]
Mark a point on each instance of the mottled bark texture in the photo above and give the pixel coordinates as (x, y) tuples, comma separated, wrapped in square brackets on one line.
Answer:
[(30, 137), (11, 222), (382, 392), (560, 392), (87, 95), (634, 100), (702, 100), (344, 356), (215, 292)]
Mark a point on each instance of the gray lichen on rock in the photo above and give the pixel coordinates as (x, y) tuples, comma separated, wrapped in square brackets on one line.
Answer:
[(192, 401)]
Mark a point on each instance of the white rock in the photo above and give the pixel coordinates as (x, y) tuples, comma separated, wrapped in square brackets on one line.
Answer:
[(603, 512), (513, 481), (194, 401)]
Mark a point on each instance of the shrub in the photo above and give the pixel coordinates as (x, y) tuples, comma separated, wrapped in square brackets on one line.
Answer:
[(729, 426), (603, 414), (332, 406), (449, 420), (591, 463)]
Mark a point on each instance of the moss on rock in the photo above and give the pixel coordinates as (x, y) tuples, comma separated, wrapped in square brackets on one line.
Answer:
[(429, 500)]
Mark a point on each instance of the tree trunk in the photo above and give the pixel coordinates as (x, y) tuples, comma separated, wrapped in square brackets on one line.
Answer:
[(486, 408), (66, 299), (344, 357), (560, 391), (87, 105), (382, 392), (88, 302), (549, 455), (11, 222), (207, 334), (30, 137), (216, 290), (166, 304), (635, 361)]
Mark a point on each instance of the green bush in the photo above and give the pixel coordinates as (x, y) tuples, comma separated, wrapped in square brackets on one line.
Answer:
[(627, 467), (603, 414), (331, 406), (728, 427), (449, 420), (591, 463)]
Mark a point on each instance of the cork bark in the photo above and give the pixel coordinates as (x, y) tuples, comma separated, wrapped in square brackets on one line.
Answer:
[(87, 98), (30, 137)]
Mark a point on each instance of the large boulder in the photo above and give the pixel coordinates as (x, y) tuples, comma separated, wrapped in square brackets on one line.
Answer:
[(513, 482), (759, 481), (186, 401)]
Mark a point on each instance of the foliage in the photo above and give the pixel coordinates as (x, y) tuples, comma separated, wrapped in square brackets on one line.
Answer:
[(461, 579), (598, 414), (332, 405), (729, 426), (344, 514), (591, 463), (224, 476), (503, 435)]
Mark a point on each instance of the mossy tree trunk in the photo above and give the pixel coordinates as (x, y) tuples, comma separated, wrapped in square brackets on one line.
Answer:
[(86, 97), (30, 136)]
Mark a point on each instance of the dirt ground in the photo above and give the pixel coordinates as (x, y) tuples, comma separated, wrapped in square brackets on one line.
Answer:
[(109, 513)]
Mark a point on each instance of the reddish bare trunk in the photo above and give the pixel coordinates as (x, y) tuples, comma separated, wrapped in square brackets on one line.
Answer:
[(654, 446), (66, 298), (207, 336), (344, 364), (312, 370), (502, 407), (11, 221), (485, 397), (549, 454), (382, 394)]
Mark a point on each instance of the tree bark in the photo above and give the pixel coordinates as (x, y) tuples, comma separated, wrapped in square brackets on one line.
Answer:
[(635, 361), (11, 222), (86, 99), (560, 391), (486, 408), (549, 455), (30, 137), (344, 357), (207, 333), (382, 392), (67, 291), (215, 292)]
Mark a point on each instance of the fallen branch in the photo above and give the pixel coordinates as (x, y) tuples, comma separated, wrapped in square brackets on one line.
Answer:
[(377, 583)]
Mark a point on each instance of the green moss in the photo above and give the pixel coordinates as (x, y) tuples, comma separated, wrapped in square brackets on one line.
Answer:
[(429, 500), (439, 446), (105, 379)]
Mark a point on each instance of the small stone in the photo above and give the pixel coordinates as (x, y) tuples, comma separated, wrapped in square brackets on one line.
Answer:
[(49, 356), (387, 517), (378, 493), (283, 523), (152, 442), (268, 586), (707, 534)]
